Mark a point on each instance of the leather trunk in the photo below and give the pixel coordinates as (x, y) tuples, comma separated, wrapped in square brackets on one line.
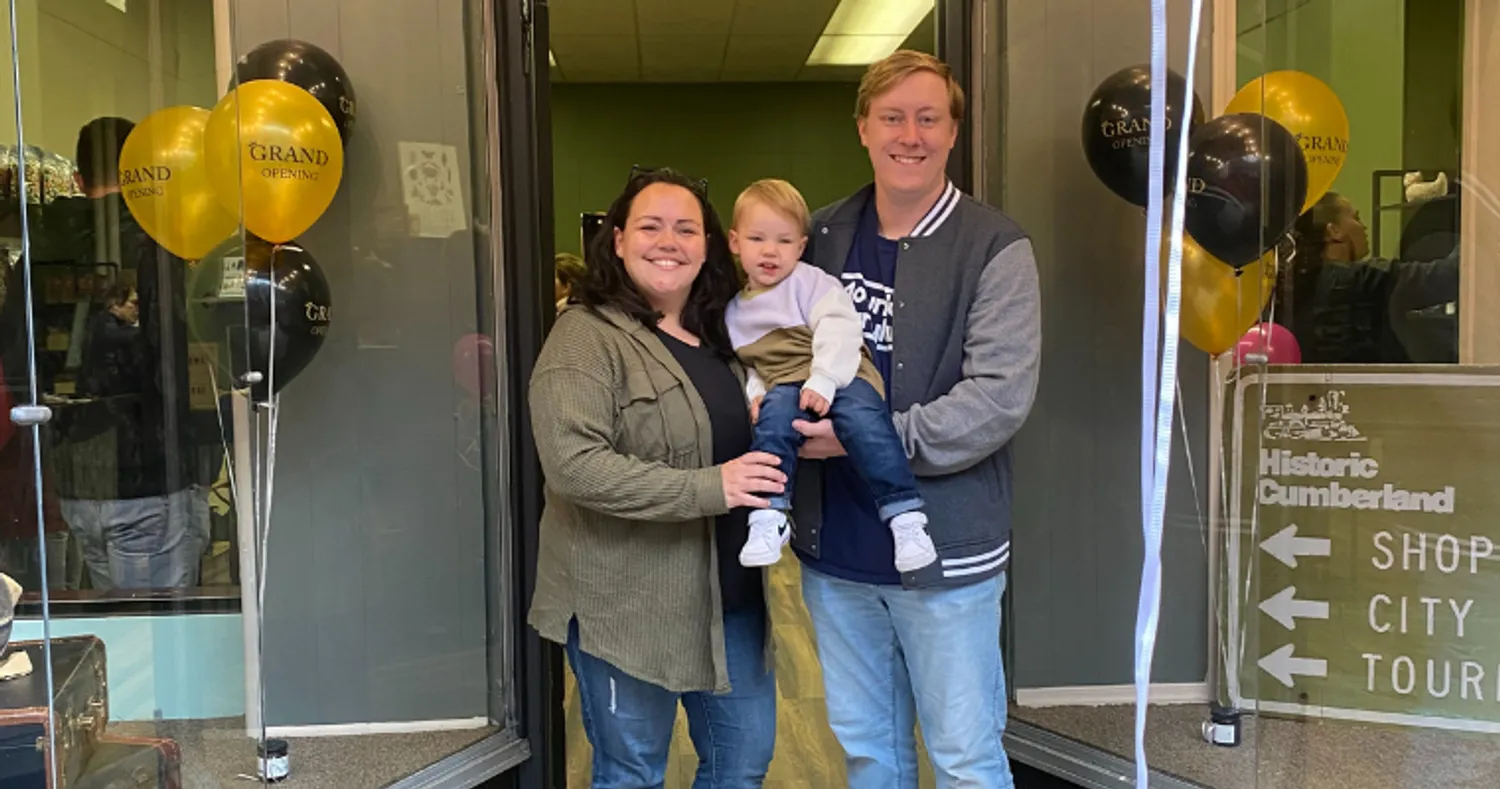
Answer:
[(132, 763), (74, 725)]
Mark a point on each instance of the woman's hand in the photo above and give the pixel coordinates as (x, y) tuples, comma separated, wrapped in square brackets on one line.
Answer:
[(749, 474)]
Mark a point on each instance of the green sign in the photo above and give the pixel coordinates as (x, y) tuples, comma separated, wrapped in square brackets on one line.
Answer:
[(1363, 556)]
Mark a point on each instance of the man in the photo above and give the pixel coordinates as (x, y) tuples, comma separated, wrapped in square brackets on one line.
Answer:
[(128, 473), (947, 288)]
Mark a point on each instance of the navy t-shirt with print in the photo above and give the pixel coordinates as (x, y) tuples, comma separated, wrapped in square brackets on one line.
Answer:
[(856, 545)]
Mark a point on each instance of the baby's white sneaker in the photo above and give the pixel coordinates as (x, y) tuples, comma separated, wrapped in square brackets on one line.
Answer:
[(914, 548)]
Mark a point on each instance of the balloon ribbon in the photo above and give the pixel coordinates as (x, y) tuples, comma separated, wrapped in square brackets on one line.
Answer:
[(1156, 404)]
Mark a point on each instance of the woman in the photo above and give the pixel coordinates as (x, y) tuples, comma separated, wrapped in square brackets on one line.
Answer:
[(567, 269), (643, 430), (1345, 308)]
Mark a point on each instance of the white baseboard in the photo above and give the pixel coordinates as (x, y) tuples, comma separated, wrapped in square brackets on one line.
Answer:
[(1102, 695), (393, 727)]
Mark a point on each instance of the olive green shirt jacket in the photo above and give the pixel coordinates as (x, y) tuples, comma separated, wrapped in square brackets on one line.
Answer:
[(627, 532)]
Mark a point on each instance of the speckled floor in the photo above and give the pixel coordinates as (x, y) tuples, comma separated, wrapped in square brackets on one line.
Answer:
[(216, 754), (1276, 753), (1285, 754), (807, 755)]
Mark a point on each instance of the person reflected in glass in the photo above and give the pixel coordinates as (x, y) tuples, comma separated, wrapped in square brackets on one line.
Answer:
[(643, 433), (1345, 307), (567, 270), (20, 554), (127, 472)]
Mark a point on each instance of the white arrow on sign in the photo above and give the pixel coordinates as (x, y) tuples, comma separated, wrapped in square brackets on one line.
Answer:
[(1287, 546), (1285, 608), (1281, 665)]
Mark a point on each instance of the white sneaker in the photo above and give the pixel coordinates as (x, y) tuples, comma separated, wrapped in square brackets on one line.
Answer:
[(770, 531), (914, 549)]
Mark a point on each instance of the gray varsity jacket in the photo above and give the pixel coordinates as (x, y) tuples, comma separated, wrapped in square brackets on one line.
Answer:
[(967, 332)]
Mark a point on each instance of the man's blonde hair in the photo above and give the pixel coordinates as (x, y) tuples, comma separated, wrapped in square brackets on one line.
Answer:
[(884, 74), (780, 196)]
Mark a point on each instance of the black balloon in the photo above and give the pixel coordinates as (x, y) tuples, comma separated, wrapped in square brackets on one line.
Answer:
[(1117, 130), (308, 67), (1247, 180), (231, 306)]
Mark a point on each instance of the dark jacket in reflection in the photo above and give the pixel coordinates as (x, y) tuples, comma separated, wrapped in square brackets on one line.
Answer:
[(134, 380), (1373, 311), (17, 458)]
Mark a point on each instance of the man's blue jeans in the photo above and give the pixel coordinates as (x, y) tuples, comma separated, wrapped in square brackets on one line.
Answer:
[(150, 543), (862, 424), (892, 657), (629, 722)]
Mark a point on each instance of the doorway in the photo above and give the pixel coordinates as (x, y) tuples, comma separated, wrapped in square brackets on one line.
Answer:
[(727, 92)]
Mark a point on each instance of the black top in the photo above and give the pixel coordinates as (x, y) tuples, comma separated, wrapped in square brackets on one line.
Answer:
[(729, 419), (136, 377)]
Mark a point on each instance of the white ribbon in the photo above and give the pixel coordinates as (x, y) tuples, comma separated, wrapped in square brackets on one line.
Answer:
[(1159, 339)]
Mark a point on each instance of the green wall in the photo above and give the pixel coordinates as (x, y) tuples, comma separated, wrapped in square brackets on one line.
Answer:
[(728, 133), (1358, 48), (1434, 83)]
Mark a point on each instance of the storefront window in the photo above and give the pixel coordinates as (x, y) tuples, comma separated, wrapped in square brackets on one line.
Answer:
[(1326, 544), (1359, 455), (251, 267)]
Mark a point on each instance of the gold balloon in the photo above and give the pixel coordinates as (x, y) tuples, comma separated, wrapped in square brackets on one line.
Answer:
[(165, 183), (1309, 109), (1219, 304), (275, 158)]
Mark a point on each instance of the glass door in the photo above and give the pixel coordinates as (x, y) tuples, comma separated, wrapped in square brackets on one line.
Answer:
[(359, 326), (1368, 449), (254, 282)]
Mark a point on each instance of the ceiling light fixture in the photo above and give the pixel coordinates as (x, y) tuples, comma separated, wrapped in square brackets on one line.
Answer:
[(864, 31)]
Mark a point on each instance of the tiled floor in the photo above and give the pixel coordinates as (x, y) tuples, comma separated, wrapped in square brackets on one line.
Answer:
[(807, 756)]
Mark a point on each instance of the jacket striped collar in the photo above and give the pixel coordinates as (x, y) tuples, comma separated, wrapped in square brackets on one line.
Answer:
[(849, 211), (939, 212)]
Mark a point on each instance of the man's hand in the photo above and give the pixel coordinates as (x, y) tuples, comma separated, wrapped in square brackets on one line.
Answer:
[(821, 442), (814, 402), (755, 408)]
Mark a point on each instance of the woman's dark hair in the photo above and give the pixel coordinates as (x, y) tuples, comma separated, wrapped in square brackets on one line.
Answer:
[(118, 294), (1311, 229), (1310, 240), (606, 284)]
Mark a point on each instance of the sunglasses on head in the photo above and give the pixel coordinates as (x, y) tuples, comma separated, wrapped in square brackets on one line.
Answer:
[(699, 185)]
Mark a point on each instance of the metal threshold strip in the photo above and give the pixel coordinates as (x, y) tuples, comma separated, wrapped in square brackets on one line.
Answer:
[(472, 766), (1078, 762)]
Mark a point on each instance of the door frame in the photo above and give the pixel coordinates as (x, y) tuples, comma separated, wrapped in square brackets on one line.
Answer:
[(523, 76), (525, 147)]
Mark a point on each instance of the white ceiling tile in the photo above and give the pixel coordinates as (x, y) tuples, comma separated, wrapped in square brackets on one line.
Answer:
[(781, 17), (591, 17), (671, 58), (684, 17), (597, 58), (693, 40), (781, 56)]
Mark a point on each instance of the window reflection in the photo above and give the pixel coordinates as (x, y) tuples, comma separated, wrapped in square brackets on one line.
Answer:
[(130, 454), (1345, 306)]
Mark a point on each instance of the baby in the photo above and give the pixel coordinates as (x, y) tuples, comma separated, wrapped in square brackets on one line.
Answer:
[(802, 343)]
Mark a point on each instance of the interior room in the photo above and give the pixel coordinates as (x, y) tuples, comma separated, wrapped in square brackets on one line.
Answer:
[(269, 492), (365, 654)]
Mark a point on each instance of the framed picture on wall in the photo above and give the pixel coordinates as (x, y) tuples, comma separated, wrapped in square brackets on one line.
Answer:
[(590, 223)]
